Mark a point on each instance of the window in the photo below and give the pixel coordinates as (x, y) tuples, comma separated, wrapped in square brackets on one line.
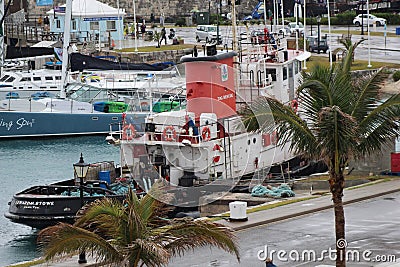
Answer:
[(37, 79), (58, 24), (58, 78), (48, 78), (284, 70), (11, 79), (272, 73), (25, 79), (296, 66), (111, 25), (5, 77), (73, 24), (94, 25)]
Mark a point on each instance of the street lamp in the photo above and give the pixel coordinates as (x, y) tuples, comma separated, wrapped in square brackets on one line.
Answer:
[(362, 18), (81, 168), (319, 32)]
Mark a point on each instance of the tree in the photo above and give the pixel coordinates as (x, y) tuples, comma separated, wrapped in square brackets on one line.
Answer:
[(347, 43), (133, 233), (340, 118)]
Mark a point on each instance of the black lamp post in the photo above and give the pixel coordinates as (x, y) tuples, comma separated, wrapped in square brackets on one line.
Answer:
[(319, 32), (81, 168), (362, 17)]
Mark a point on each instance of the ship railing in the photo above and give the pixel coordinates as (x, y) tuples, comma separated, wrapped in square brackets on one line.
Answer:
[(66, 190), (166, 132)]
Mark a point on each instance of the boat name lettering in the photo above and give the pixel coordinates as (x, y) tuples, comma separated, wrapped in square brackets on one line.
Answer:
[(6, 125), (34, 203), (22, 122), (223, 97)]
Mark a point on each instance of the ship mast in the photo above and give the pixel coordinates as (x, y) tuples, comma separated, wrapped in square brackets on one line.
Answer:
[(67, 35)]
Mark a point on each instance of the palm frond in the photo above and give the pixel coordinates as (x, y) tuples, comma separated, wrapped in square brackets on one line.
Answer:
[(64, 240), (186, 234)]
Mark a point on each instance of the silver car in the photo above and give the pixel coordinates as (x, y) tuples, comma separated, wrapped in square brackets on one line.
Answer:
[(207, 33)]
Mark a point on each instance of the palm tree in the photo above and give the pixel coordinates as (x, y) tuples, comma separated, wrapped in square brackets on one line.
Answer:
[(133, 233), (340, 118), (347, 43)]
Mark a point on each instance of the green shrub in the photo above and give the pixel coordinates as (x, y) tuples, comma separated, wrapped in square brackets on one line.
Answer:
[(396, 76), (180, 22)]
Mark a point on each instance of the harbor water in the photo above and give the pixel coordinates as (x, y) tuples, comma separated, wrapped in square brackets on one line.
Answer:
[(25, 163)]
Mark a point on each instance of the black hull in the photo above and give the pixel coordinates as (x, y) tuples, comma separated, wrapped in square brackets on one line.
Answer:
[(42, 206)]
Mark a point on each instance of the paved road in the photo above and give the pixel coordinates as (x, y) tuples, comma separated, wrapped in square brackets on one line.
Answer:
[(371, 225)]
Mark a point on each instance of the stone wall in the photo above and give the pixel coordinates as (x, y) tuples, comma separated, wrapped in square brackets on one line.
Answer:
[(170, 8), (149, 57)]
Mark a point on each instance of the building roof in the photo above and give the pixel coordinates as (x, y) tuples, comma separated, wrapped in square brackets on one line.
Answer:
[(90, 9)]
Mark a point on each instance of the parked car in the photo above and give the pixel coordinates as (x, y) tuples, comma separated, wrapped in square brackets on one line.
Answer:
[(358, 20), (313, 44), (207, 33), (293, 27)]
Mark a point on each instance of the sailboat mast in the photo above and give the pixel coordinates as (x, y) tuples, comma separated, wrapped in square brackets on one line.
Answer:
[(67, 35)]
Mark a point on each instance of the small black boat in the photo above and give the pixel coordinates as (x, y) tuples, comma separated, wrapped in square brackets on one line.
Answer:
[(45, 205)]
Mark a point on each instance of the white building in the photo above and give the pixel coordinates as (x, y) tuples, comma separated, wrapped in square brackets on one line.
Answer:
[(90, 19)]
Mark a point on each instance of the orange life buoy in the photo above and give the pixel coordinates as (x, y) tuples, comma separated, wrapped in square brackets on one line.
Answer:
[(169, 133), (206, 133), (294, 104), (128, 132)]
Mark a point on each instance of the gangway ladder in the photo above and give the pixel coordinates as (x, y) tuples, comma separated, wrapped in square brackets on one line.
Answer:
[(228, 160)]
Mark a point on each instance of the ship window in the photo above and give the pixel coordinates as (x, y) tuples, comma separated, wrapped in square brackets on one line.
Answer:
[(254, 140), (48, 78), (58, 78), (284, 70), (58, 24), (291, 71), (11, 79), (95, 118), (272, 72), (248, 142), (21, 87), (114, 118), (54, 87), (25, 79), (37, 79), (5, 77), (296, 66), (43, 87)]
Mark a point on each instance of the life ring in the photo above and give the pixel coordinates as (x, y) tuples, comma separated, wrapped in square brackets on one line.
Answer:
[(169, 134), (295, 105), (128, 132), (206, 133)]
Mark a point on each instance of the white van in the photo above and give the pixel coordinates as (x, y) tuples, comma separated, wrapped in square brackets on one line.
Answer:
[(207, 33)]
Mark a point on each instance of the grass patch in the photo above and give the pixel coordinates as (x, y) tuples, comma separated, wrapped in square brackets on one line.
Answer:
[(357, 64), (155, 49), (28, 264), (369, 184), (358, 32)]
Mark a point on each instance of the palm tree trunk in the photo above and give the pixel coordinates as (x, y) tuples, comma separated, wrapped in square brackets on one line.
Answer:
[(336, 182)]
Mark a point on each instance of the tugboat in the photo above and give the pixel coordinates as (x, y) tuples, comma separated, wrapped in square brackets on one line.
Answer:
[(45, 205), (205, 148)]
